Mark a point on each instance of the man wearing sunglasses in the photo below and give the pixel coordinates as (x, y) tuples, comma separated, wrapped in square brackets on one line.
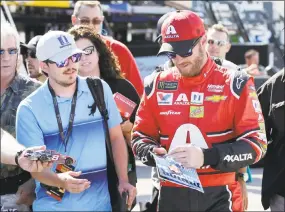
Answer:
[(218, 45), (202, 116), (91, 13), (33, 64), (58, 116), (15, 182)]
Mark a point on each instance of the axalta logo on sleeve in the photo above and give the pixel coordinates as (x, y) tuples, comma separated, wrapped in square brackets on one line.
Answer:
[(215, 88), (240, 157), (170, 112), (164, 98), (171, 32)]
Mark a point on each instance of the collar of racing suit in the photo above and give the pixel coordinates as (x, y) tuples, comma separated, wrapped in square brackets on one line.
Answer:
[(202, 77)]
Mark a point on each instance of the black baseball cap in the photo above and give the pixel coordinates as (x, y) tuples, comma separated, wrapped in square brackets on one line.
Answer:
[(32, 45), (159, 24)]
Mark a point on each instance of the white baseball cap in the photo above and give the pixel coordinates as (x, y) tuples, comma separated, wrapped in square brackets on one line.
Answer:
[(56, 46)]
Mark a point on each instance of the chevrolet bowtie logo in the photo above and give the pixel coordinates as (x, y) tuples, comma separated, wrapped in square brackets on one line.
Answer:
[(215, 98)]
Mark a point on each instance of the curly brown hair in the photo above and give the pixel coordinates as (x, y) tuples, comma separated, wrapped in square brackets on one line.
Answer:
[(108, 62)]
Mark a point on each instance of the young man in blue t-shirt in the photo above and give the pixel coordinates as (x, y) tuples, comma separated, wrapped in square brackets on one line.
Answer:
[(58, 116)]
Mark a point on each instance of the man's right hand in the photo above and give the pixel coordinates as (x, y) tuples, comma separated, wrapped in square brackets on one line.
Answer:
[(71, 184), (159, 151)]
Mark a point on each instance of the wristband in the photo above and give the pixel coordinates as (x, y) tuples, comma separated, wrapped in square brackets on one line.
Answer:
[(17, 157)]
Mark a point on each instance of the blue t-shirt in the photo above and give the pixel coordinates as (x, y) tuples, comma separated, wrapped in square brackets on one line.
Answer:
[(36, 125)]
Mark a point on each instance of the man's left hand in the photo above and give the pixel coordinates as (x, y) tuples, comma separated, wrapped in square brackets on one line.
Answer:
[(26, 193), (131, 190), (189, 156)]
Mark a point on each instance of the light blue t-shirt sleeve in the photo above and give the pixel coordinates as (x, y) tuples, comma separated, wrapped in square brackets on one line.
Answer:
[(114, 114), (28, 132)]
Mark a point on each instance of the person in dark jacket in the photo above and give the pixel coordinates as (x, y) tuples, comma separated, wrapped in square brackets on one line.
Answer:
[(272, 99)]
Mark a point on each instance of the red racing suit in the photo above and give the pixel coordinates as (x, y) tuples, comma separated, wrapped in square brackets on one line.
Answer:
[(218, 111)]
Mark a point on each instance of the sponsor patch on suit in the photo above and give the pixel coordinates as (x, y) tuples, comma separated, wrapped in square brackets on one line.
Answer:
[(196, 111), (167, 86)]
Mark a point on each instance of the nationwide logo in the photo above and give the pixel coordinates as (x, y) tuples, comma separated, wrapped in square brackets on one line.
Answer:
[(164, 98), (197, 98), (240, 157), (171, 32), (168, 86), (215, 88), (196, 111), (170, 112), (215, 98), (63, 41)]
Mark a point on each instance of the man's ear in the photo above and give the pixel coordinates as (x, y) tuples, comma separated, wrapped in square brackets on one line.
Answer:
[(44, 67), (204, 39), (73, 20), (229, 45)]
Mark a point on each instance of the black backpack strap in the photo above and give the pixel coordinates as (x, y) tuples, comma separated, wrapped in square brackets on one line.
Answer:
[(97, 91)]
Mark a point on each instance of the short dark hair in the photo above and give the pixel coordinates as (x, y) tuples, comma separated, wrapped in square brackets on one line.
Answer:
[(250, 53)]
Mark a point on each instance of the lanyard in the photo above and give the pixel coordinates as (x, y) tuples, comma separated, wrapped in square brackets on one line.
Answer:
[(71, 116)]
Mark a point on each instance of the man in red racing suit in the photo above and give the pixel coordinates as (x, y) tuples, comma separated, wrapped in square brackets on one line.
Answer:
[(218, 111)]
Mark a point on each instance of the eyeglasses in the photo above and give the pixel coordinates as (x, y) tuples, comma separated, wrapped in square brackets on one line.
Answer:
[(89, 50), (74, 58), (94, 21), (172, 55), (217, 42), (31, 53), (10, 51)]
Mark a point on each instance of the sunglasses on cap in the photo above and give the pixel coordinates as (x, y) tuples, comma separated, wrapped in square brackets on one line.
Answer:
[(87, 21), (217, 42), (74, 58), (172, 55), (10, 51)]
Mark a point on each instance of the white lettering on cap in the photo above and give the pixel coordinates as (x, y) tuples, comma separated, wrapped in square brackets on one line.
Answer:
[(171, 32)]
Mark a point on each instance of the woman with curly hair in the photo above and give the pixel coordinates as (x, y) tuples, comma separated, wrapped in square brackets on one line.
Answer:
[(100, 61)]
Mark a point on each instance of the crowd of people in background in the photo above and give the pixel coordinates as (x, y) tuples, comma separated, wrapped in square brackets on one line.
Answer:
[(51, 109)]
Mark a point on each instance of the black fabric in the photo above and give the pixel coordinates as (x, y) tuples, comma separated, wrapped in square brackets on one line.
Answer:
[(117, 202), (125, 88), (272, 99), (10, 185), (214, 198), (152, 205)]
